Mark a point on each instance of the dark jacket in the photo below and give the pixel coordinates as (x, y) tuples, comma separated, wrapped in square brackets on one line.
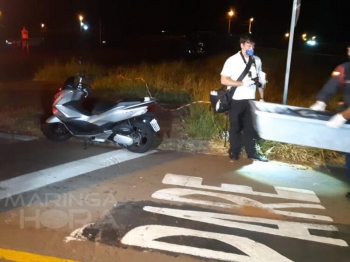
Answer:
[(339, 81)]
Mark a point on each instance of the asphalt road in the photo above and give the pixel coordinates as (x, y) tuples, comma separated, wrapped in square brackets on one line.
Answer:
[(166, 205)]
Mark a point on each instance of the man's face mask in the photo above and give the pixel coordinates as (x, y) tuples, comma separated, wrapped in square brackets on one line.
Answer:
[(250, 52)]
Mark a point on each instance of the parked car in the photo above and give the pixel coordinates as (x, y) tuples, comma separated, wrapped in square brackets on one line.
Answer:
[(202, 43)]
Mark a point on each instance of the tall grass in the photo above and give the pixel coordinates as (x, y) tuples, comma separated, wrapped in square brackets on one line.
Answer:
[(168, 82), (58, 71), (182, 81)]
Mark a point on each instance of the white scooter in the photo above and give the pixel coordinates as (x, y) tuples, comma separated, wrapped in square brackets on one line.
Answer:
[(126, 123)]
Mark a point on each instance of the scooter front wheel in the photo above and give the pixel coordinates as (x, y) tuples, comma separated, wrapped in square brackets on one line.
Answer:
[(144, 137), (56, 132)]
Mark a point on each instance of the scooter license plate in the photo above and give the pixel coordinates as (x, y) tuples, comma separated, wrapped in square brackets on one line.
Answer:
[(155, 125)]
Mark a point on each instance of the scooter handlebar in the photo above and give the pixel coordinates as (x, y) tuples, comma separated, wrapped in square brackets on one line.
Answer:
[(87, 90)]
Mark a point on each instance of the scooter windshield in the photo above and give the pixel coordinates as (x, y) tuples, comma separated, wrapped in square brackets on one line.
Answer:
[(69, 84), (65, 96)]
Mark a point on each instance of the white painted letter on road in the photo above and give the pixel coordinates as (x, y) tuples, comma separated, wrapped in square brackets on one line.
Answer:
[(284, 228), (236, 202), (282, 192), (146, 237)]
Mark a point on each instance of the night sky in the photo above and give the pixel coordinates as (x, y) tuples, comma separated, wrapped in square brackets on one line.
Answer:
[(326, 18)]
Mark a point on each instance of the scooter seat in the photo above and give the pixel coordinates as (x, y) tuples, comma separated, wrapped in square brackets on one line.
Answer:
[(102, 107), (129, 102)]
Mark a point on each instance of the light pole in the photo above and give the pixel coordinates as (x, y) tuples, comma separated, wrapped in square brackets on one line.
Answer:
[(250, 25), (230, 14)]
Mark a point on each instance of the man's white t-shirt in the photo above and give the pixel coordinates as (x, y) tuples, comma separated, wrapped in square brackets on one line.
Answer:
[(233, 68)]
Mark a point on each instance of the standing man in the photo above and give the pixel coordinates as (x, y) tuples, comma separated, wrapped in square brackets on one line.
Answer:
[(339, 81), (25, 39), (240, 115)]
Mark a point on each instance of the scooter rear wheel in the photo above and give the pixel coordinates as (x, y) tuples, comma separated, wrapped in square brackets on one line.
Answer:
[(145, 134), (56, 132)]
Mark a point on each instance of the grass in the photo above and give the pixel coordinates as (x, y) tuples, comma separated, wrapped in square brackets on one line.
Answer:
[(180, 82), (299, 154), (56, 71), (24, 119)]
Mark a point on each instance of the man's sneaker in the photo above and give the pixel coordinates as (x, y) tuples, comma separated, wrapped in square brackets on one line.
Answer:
[(348, 195), (259, 157)]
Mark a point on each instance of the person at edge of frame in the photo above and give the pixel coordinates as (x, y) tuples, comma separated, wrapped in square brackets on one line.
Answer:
[(340, 80), (240, 116)]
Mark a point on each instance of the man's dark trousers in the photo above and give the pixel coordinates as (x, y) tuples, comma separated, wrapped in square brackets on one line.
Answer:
[(240, 117)]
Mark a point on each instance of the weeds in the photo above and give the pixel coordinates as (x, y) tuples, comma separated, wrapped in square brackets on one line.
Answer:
[(299, 154), (57, 71)]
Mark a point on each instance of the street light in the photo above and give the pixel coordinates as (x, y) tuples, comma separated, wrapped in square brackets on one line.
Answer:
[(250, 25), (304, 37), (42, 25), (81, 21), (230, 15)]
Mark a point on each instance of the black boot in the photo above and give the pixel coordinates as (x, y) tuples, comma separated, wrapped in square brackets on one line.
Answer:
[(233, 156), (348, 195)]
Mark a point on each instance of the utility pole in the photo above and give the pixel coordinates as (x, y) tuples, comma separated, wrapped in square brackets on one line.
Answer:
[(295, 16)]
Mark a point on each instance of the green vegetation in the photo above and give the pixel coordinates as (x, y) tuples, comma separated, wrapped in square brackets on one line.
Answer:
[(180, 82), (56, 71)]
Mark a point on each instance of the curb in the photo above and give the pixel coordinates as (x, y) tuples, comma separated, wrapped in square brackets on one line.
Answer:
[(16, 136)]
